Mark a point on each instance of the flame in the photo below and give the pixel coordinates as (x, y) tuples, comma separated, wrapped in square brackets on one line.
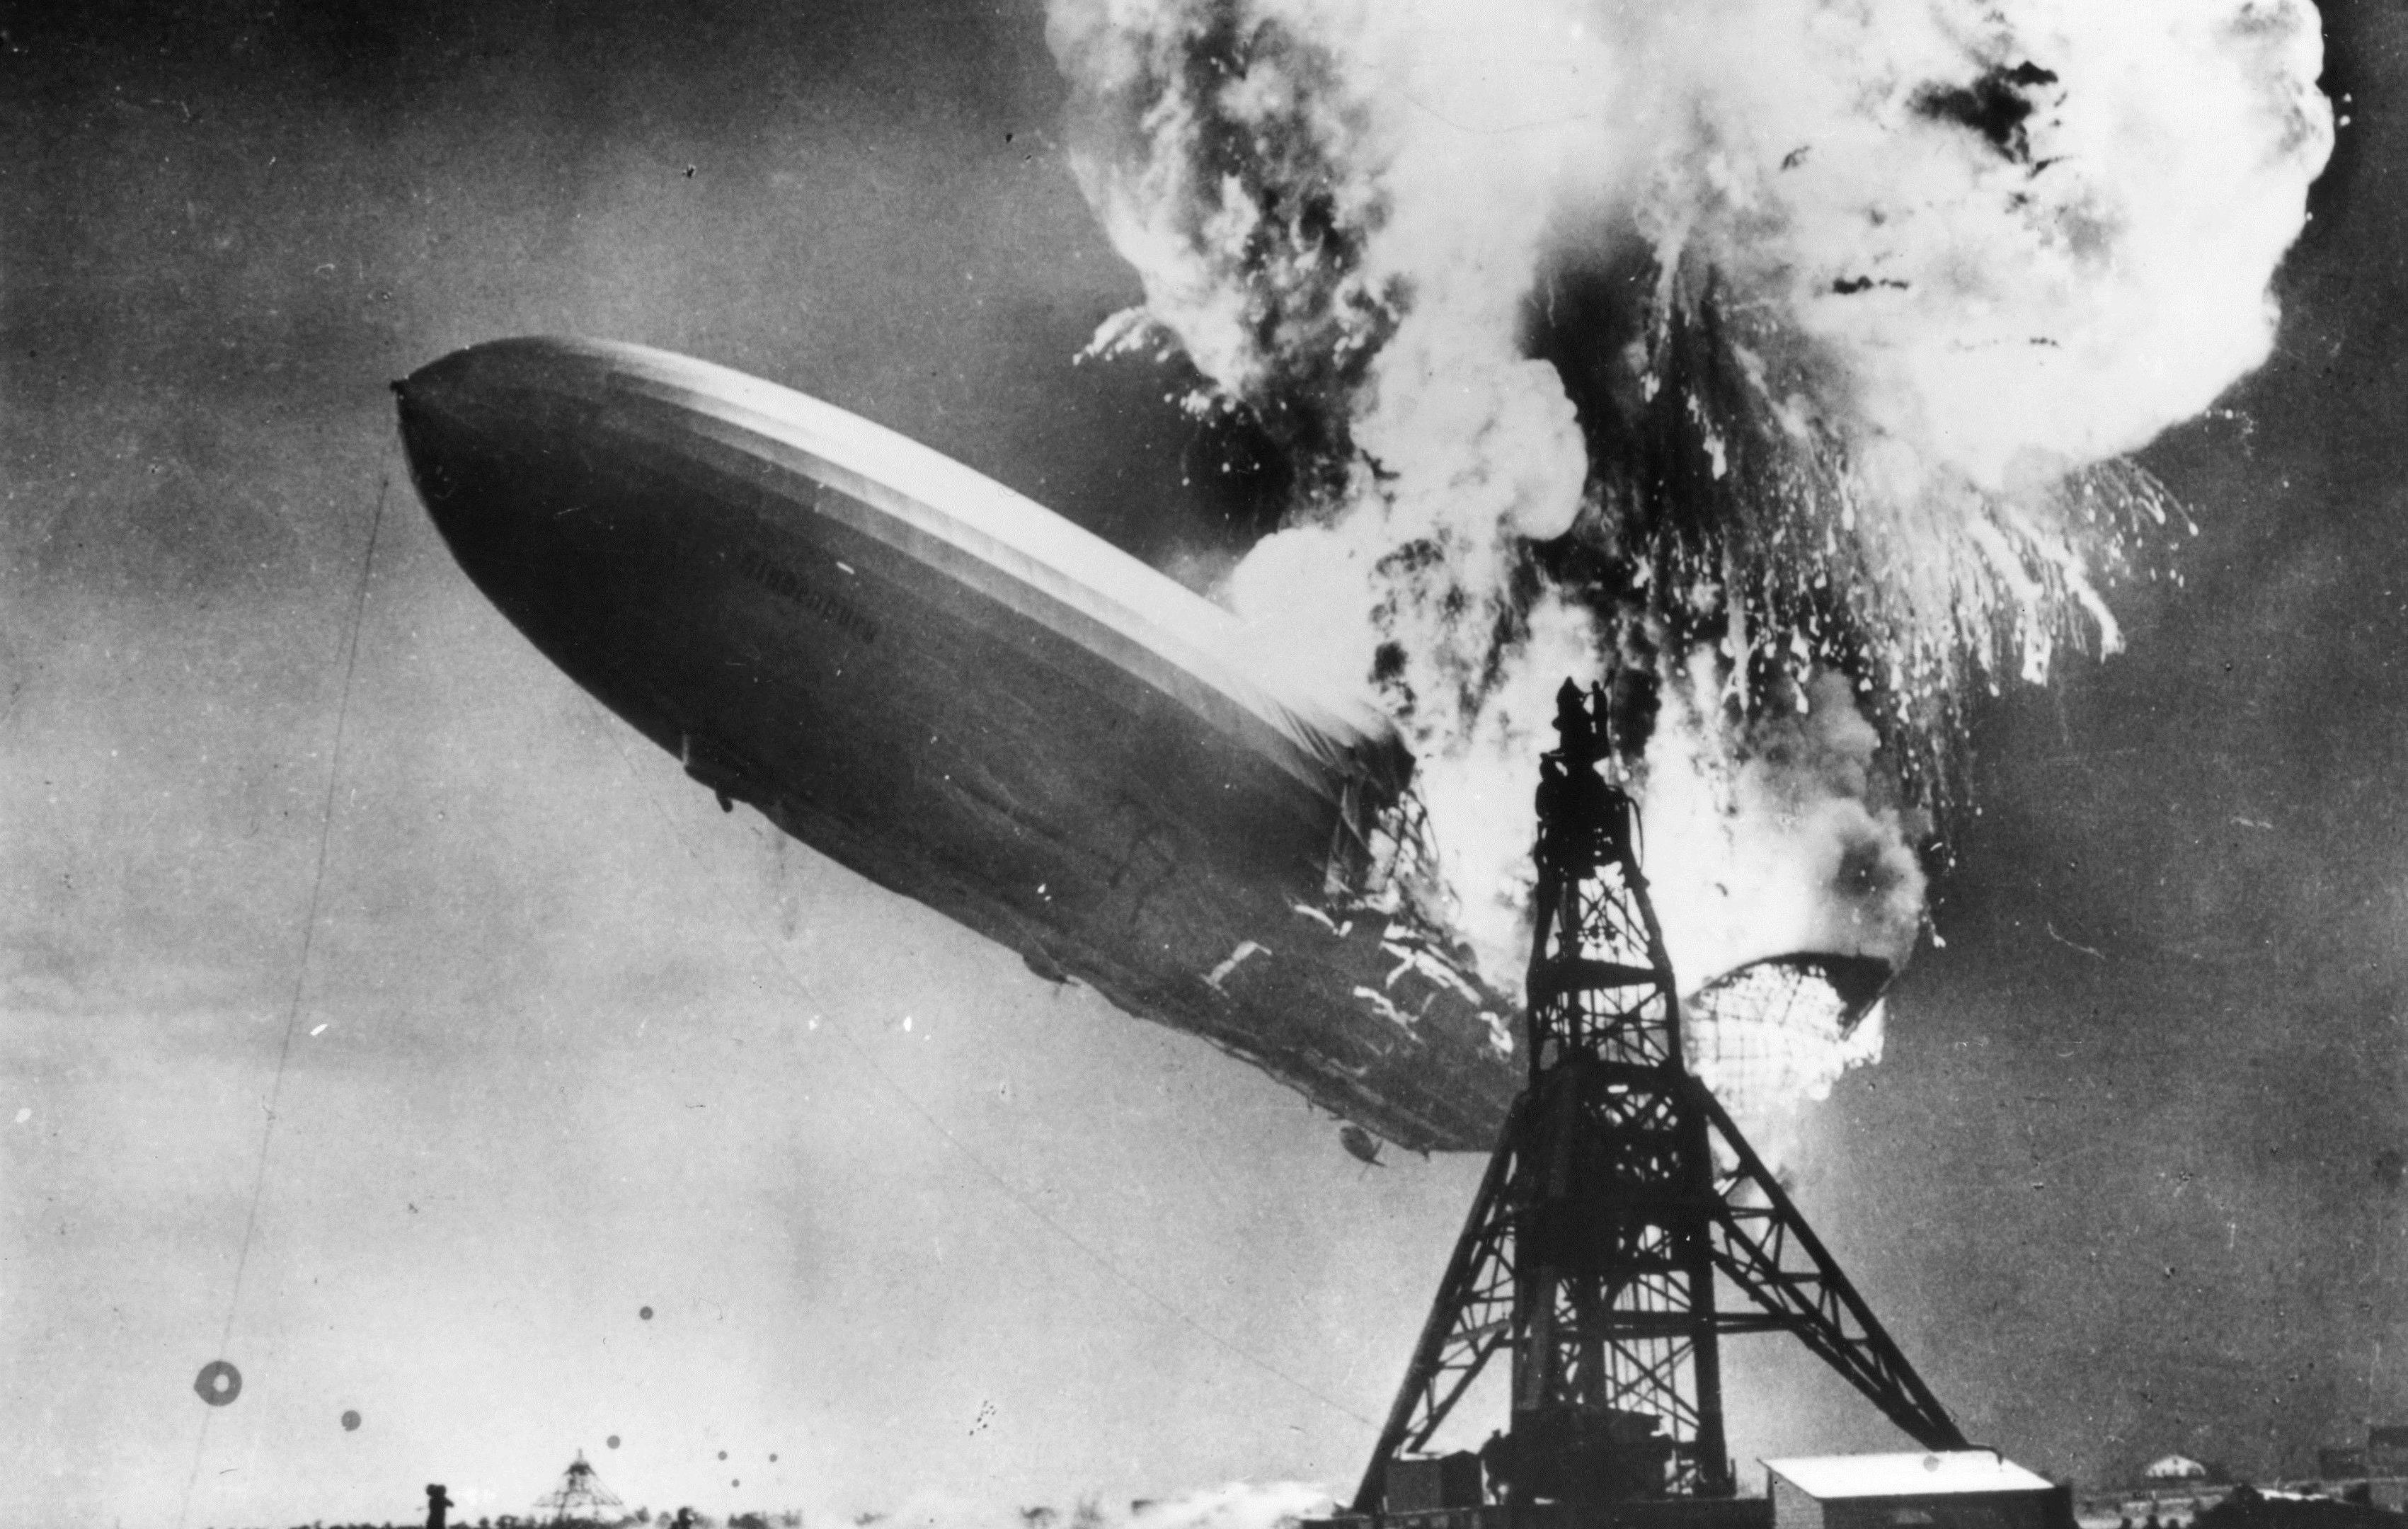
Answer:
[(1772, 358)]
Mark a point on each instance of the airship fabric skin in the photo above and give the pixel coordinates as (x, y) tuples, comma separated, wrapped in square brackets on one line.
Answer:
[(974, 702)]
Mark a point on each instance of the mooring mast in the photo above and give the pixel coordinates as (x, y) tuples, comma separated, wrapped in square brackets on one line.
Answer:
[(1619, 1191)]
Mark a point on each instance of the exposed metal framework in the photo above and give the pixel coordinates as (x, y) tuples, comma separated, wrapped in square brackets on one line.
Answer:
[(1769, 1034), (580, 1498), (1618, 1193)]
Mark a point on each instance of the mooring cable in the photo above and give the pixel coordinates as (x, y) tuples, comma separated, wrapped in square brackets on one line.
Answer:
[(301, 969)]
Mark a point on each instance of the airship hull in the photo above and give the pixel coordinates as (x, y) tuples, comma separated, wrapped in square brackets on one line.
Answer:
[(969, 702)]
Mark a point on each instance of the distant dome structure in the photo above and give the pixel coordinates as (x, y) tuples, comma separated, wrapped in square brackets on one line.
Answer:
[(580, 1500), (2175, 1467)]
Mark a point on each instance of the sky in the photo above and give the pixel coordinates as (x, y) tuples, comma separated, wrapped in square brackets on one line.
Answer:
[(570, 1045)]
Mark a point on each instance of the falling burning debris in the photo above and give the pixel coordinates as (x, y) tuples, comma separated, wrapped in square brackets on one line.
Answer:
[(1773, 359)]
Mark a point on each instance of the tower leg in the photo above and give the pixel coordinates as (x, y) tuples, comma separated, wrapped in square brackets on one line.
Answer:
[(1470, 1321)]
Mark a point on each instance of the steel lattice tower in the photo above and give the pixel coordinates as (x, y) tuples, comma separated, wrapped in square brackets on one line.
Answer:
[(1618, 1193)]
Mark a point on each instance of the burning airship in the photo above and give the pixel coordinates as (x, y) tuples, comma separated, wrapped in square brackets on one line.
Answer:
[(973, 703)]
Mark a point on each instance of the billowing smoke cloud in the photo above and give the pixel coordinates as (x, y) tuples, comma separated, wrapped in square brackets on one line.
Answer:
[(1792, 837), (1775, 356)]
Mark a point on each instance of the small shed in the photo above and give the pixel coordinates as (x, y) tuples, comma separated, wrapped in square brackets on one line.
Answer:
[(2387, 1449), (1952, 1488), (2347, 1463)]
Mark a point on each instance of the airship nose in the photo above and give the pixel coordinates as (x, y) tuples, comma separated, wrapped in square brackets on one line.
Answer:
[(491, 445), (455, 413), (440, 385), (499, 438), (435, 410)]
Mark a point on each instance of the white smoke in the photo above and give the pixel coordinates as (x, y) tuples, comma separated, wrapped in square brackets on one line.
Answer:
[(1779, 839), (1944, 262), (2025, 237), (1964, 253)]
